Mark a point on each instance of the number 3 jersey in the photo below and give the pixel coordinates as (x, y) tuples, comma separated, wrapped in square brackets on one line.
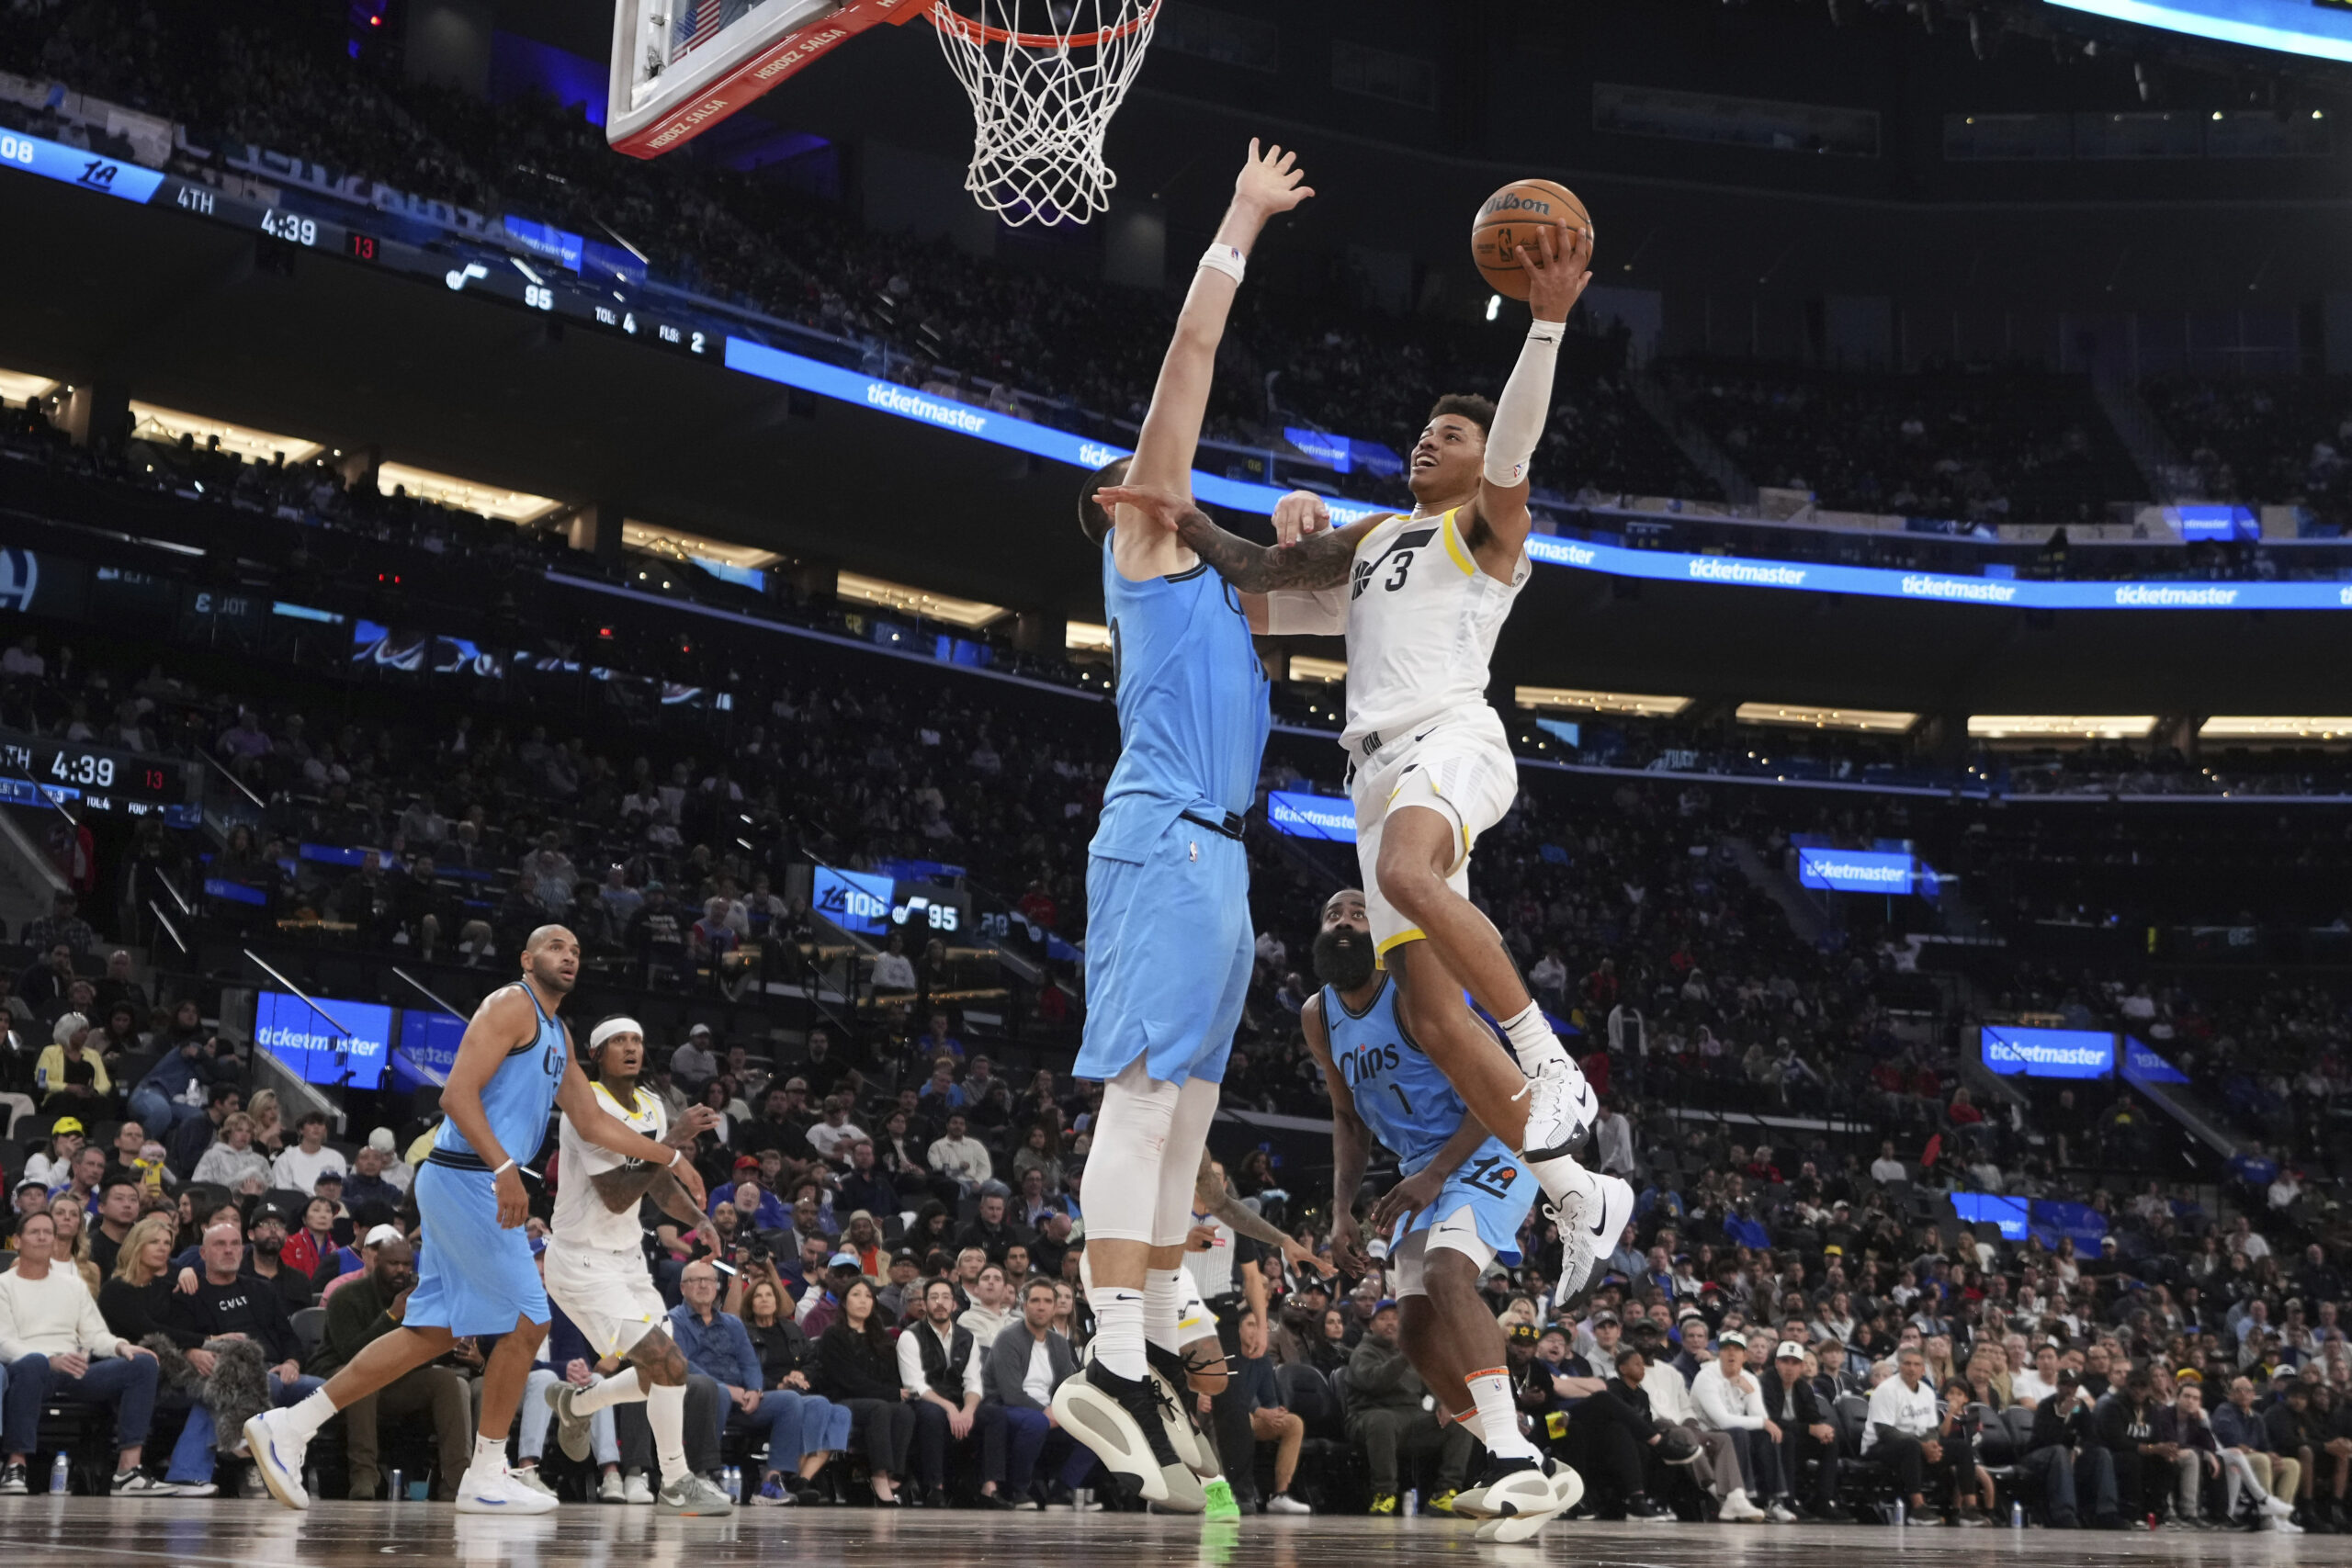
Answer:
[(1423, 619)]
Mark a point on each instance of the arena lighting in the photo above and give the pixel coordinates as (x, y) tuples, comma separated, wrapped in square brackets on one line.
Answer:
[(1323, 672), (20, 386), (465, 495), (1085, 637), (2264, 726), (1625, 703), (2060, 726), (693, 547), (165, 426), (1868, 719), (2294, 26), (966, 613)]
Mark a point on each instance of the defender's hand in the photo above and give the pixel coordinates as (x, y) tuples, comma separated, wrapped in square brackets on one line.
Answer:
[(1163, 508), (1301, 514), (1270, 182)]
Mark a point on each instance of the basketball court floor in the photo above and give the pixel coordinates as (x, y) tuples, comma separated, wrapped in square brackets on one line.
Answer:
[(221, 1534)]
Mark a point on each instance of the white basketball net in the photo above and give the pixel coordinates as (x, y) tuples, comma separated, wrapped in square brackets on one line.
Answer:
[(1045, 77)]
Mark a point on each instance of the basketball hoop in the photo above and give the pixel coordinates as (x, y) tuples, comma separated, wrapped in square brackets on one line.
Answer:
[(1045, 77)]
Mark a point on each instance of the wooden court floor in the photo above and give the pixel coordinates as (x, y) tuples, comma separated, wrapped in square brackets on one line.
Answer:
[(217, 1533)]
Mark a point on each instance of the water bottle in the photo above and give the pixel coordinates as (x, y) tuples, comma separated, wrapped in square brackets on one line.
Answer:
[(1898, 1510), (1412, 1502), (399, 1493), (735, 1483), (2017, 1514), (61, 1475)]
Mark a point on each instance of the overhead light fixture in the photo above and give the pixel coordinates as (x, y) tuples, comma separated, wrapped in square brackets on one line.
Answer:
[(20, 386), (1323, 672), (2060, 726), (1874, 721), (464, 495), (966, 613), (165, 426), (1085, 637), (693, 547), (1630, 705), (2266, 726)]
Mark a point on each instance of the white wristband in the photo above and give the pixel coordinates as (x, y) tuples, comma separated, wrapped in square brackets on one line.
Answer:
[(1226, 259), (1540, 331), (501, 1170), (674, 1157)]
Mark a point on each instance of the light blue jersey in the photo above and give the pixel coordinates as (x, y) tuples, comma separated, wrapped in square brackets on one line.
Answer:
[(1168, 939), (519, 1096), (1191, 695), (473, 1275), (1411, 1108)]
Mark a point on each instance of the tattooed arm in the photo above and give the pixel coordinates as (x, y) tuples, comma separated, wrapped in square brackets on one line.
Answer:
[(1211, 1196), (1321, 561)]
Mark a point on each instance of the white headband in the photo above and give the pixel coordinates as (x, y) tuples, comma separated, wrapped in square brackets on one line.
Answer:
[(611, 1027)]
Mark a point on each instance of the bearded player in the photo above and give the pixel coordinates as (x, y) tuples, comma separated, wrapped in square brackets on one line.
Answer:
[(476, 1275), (1421, 597), (1459, 1207), (596, 1271), (1167, 885)]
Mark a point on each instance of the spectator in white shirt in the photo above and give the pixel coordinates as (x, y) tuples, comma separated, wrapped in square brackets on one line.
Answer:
[(1718, 1466), (1903, 1429), (1614, 1138), (1886, 1168), (991, 1313), (893, 971), (832, 1137), (1729, 1400), (959, 1156), (940, 1368), (2245, 1238), (693, 1064), (57, 1346), (2036, 1382), (299, 1168)]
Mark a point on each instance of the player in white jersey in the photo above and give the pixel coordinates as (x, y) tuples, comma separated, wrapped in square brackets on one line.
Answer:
[(1421, 598), (596, 1271)]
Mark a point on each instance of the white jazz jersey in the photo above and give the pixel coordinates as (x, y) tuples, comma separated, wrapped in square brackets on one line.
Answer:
[(1423, 620), (581, 1217)]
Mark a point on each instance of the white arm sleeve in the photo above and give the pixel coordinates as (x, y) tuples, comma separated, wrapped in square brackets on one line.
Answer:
[(1317, 612), (1525, 403)]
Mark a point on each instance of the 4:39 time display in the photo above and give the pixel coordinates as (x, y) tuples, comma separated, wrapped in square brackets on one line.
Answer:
[(87, 769), (291, 227)]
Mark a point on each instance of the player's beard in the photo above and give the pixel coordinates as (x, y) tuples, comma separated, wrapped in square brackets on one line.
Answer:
[(1343, 957)]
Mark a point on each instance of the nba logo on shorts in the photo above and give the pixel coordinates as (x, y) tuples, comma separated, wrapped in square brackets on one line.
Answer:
[(20, 576)]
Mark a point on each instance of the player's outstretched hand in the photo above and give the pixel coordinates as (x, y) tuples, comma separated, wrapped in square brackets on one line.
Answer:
[(1556, 274), (1271, 181), (1347, 1248), (691, 1124), (1301, 514), (1165, 507)]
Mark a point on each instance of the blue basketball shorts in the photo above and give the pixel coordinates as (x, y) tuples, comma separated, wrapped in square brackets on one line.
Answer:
[(1168, 951)]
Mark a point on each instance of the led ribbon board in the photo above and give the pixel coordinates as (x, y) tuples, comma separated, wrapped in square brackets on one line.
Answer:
[(2047, 1053)]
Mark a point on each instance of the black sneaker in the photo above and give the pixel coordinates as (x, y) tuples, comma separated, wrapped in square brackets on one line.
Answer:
[(12, 1482), (994, 1500), (1642, 1509)]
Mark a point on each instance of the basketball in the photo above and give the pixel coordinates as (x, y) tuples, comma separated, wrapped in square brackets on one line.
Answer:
[(1509, 218)]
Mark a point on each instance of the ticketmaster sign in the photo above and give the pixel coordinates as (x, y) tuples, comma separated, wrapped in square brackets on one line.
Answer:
[(1857, 871), (1306, 816), (2047, 1053)]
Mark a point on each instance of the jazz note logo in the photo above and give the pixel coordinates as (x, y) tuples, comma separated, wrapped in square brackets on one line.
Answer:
[(457, 280)]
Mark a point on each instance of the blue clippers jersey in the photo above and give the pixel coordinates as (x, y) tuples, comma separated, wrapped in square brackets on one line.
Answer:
[(1191, 695), (1401, 1096), (520, 1095)]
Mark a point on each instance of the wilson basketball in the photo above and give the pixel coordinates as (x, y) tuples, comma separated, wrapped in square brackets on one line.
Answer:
[(1510, 217)]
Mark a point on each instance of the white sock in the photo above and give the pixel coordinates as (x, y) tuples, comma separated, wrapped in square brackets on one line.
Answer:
[(1118, 1332), (626, 1388), (1163, 1301), (1532, 1040), (1499, 1413), (665, 1412), (490, 1455), (308, 1415)]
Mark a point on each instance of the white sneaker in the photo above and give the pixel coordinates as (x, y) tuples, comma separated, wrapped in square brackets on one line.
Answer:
[(529, 1477), (1283, 1503), (1737, 1511), (2282, 1526), (637, 1490), (612, 1488), (693, 1494), (2278, 1508), (1781, 1513), (498, 1492), (1591, 1211), (1561, 1108), (1094, 1417), (571, 1430), (277, 1457)]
